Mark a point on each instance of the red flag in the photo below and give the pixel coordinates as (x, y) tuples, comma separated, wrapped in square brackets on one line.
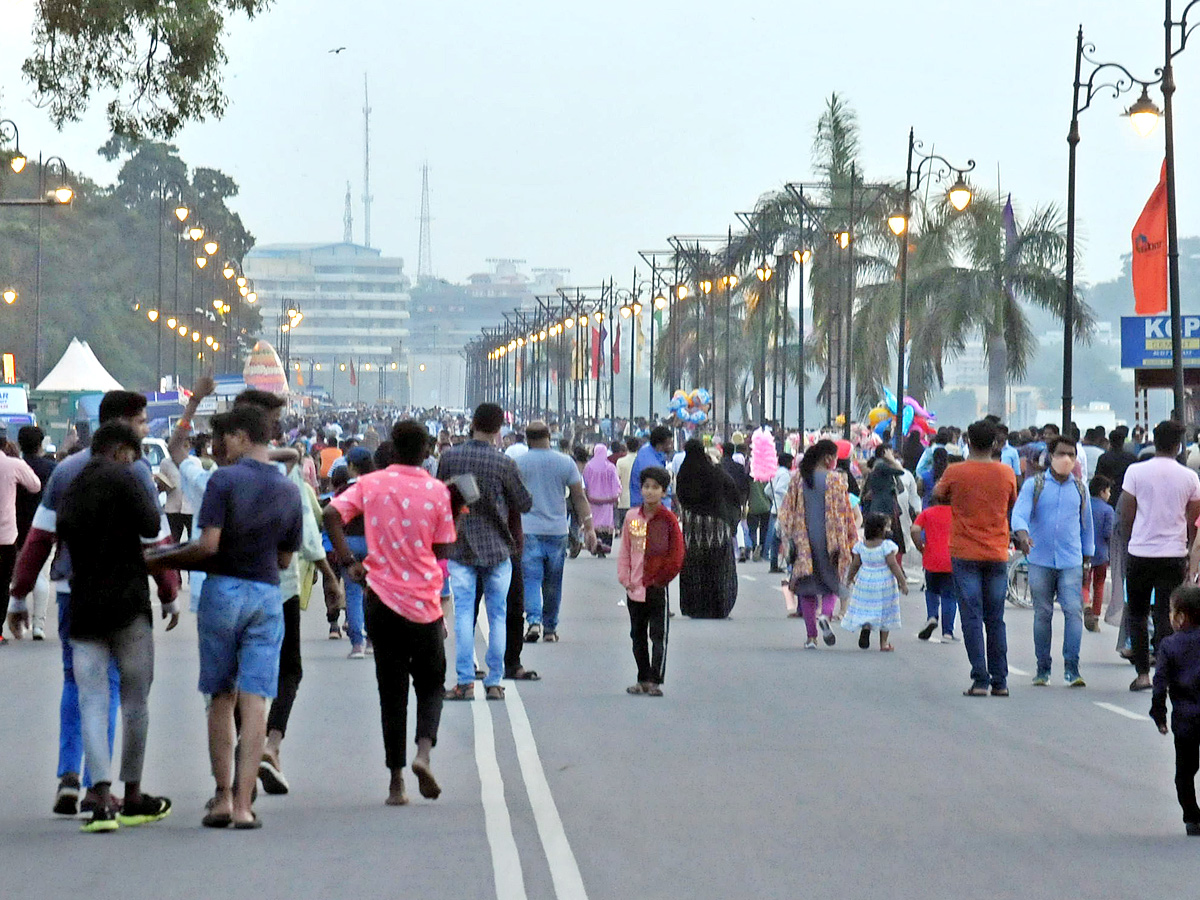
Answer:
[(353, 377), (595, 352), (1150, 253), (617, 350)]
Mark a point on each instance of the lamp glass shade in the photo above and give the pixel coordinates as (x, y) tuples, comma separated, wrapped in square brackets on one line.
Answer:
[(681, 292), (1144, 114), (251, 297), (152, 315), (182, 212), (898, 223), (960, 195), (195, 337), (211, 247), (63, 195), (625, 312), (10, 296), (172, 322), (241, 281), (201, 261), (227, 272), (195, 232), (660, 302), (17, 163)]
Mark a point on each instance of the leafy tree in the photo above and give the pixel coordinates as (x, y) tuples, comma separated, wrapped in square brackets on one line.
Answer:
[(161, 62)]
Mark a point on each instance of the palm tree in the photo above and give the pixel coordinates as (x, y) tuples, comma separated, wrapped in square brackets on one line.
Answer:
[(985, 269)]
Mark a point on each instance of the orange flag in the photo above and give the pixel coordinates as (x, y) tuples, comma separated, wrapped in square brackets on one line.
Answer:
[(1150, 253)]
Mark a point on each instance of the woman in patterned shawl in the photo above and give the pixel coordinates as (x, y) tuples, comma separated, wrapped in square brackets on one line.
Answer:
[(710, 508), (816, 526)]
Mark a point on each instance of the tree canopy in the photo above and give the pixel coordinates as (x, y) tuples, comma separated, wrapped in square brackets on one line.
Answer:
[(160, 63)]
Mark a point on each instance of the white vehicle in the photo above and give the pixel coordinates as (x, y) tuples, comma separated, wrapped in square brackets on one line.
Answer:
[(155, 451)]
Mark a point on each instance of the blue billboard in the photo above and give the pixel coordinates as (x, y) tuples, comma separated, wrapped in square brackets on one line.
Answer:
[(1146, 342)]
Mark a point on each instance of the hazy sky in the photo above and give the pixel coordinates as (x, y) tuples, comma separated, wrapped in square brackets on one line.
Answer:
[(572, 134)]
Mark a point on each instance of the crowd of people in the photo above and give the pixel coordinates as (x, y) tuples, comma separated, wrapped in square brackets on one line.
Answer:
[(372, 507)]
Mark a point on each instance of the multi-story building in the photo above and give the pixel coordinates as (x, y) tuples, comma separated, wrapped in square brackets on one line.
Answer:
[(355, 304), (446, 317)]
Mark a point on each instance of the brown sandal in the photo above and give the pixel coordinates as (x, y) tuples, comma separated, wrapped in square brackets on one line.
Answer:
[(461, 692), (495, 692)]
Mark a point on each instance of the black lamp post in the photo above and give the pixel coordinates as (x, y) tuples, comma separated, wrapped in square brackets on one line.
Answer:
[(960, 198)]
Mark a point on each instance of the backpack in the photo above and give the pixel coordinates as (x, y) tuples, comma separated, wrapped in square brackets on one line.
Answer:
[(1039, 483)]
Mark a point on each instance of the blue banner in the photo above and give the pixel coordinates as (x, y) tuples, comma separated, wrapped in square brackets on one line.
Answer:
[(1146, 342)]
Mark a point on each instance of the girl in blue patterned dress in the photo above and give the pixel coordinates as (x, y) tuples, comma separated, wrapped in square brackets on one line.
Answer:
[(876, 581)]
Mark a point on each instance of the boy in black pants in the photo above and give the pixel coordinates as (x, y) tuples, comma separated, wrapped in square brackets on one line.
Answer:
[(649, 559)]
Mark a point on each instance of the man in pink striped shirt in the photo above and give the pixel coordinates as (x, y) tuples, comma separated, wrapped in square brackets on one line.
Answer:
[(13, 471), (409, 525)]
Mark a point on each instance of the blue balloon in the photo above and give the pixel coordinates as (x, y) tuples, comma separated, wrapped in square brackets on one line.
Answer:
[(883, 426), (889, 400), (908, 418), (703, 396)]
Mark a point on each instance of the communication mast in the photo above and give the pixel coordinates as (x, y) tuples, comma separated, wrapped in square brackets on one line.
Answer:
[(424, 252), (348, 220), (366, 196)]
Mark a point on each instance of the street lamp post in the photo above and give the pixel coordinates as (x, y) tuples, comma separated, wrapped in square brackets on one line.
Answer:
[(960, 197), (181, 214)]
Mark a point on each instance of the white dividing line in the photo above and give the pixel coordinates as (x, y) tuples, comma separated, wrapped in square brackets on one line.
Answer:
[(506, 862), (1013, 670), (750, 578), (564, 871), (1121, 711)]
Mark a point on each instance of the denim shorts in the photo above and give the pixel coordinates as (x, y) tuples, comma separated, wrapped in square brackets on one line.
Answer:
[(240, 625)]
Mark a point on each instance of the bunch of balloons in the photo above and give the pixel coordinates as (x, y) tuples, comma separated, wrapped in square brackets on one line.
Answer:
[(691, 407), (915, 416)]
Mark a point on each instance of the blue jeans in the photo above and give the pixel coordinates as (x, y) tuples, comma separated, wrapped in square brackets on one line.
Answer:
[(771, 542), (70, 722), (1045, 586), (939, 592), (542, 565), (495, 598), (982, 589), (355, 621)]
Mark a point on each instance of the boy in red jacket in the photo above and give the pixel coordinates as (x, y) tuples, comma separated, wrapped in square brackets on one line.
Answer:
[(650, 558)]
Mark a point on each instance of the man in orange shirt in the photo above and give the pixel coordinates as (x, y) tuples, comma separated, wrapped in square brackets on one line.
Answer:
[(981, 493), (328, 455)]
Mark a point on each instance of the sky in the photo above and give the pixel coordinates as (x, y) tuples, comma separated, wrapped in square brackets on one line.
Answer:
[(573, 135)]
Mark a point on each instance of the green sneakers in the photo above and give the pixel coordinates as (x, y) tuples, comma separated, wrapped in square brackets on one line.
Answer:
[(147, 809), (103, 820), (1042, 678)]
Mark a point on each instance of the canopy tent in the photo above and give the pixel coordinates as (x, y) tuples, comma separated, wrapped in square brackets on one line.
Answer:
[(79, 370)]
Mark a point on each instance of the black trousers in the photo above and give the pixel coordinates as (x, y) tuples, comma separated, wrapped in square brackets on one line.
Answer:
[(8, 562), (180, 522), (404, 650), (648, 623), (1144, 576), (757, 524), (1187, 763), (290, 669), (514, 622)]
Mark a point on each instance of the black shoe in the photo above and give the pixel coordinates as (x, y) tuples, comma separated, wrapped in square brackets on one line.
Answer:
[(103, 820), (864, 637), (66, 798), (147, 809), (925, 632), (1193, 828)]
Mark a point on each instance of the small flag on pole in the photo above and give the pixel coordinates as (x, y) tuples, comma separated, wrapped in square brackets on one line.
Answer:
[(1149, 267)]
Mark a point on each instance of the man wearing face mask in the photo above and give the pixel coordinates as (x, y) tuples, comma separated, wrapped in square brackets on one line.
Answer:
[(1052, 525)]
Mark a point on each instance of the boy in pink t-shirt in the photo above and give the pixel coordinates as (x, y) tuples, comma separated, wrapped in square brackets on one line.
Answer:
[(409, 527)]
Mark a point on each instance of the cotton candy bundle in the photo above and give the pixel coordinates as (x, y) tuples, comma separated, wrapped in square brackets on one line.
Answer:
[(763, 461)]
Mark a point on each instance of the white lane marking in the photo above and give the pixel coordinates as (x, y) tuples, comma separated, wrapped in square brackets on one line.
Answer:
[(506, 861), (564, 870), (1013, 670), (1121, 711), (750, 578)]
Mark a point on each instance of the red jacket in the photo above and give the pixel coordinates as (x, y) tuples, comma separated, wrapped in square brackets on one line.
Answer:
[(651, 552)]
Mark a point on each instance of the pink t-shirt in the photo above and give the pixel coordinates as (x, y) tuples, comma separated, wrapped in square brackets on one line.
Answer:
[(406, 511), (1162, 488)]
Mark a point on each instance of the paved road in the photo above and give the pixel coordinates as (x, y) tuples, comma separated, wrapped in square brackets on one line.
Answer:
[(766, 771)]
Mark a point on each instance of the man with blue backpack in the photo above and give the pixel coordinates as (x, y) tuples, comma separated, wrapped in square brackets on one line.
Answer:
[(1052, 525)]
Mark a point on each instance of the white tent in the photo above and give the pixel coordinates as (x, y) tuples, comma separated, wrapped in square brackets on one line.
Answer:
[(79, 370)]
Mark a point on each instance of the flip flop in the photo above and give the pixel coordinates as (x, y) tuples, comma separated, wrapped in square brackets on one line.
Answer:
[(999, 692), (864, 637), (523, 674), (886, 648), (217, 820), (635, 689), (254, 823), (976, 691)]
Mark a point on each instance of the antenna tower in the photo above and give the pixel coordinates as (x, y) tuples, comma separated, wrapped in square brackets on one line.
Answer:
[(348, 220), (366, 196), (424, 253)]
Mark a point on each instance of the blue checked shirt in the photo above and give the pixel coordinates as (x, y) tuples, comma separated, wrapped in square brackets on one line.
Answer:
[(484, 538)]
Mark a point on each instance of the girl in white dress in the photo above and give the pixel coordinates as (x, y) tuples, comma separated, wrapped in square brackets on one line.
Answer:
[(877, 581)]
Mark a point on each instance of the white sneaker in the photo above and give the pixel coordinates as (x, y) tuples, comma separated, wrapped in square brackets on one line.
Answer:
[(39, 633), (810, 644)]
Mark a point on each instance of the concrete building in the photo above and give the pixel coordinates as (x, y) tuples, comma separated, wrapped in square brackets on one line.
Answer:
[(355, 303)]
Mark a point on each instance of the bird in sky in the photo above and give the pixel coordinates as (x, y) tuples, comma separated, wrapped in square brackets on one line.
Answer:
[(337, 50)]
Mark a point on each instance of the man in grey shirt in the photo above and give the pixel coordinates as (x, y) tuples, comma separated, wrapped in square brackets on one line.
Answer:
[(548, 476)]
